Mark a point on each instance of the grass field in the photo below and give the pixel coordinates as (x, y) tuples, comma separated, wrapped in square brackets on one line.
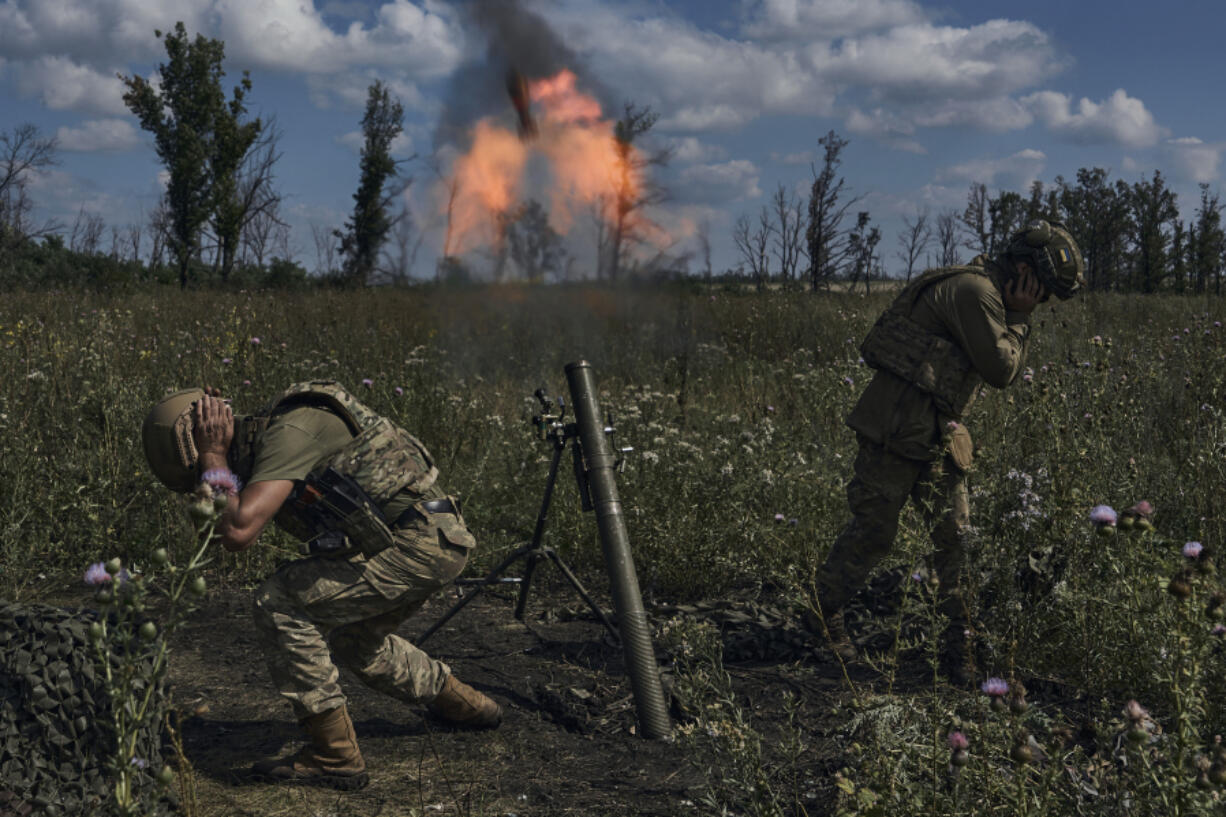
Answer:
[(734, 405)]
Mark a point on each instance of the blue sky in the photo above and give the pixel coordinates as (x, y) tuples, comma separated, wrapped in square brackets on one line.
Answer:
[(931, 96)]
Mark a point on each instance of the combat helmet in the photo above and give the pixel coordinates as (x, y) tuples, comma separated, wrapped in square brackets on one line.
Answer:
[(167, 436), (1050, 249)]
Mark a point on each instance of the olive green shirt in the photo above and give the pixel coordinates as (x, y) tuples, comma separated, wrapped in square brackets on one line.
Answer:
[(301, 439), (969, 310)]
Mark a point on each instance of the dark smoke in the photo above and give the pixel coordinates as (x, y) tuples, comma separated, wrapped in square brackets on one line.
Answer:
[(513, 37)]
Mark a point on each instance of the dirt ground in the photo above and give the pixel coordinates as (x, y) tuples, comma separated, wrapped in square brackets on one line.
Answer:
[(567, 745)]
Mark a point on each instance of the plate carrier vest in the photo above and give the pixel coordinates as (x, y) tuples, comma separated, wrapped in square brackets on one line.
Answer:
[(341, 501), (933, 364)]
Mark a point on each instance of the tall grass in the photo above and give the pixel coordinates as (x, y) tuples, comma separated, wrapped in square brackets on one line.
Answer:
[(734, 404)]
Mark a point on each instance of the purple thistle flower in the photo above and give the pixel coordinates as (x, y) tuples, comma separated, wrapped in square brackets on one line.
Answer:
[(996, 687), (140, 762), (1193, 549), (367, 382), (97, 575), (246, 382), (849, 381), (1217, 324), (222, 480), (957, 741), (1103, 515), (1219, 630), (770, 409), (779, 517), (226, 361), (398, 391), (1143, 508), (255, 341), (793, 521)]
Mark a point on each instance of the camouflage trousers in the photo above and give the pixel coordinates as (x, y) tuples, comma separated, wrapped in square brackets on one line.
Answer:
[(879, 488), (314, 610)]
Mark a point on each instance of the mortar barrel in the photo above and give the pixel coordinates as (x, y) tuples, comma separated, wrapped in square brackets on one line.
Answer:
[(615, 542)]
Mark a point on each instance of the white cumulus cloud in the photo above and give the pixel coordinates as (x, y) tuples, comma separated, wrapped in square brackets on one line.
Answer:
[(1016, 170), (64, 84), (99, 135), (1119, 119), (828, 19), (717, 183), (1195, 159)]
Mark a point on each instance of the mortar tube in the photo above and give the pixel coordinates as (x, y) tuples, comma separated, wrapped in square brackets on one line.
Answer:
[(627, 600)]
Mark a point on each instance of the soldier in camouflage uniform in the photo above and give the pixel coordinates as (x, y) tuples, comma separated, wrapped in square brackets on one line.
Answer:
[(948, 332), (362, 493)]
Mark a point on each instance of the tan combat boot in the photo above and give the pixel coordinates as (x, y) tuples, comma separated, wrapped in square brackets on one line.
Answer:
[(330, 758), (828, 627), (461, 705)]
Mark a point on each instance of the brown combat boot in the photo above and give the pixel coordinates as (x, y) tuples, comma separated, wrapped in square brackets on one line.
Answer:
[(828, 627), (331, 758), (461, 705)]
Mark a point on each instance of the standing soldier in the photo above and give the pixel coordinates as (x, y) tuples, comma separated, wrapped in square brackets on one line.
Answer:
[(946, 333), (383, 537)]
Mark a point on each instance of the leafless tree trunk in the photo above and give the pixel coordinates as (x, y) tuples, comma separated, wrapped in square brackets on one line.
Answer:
[(325, 250), (86, 233), (829, 252), (259, 202), (400, 254), (704, 246), (914, 240), (947, 237), (159, 232), (976, 221), (789, 230), (134, 240), (754, 245)]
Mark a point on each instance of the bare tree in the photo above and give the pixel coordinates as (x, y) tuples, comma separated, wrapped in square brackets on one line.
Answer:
[(86, 232), (400, 254), (325, 250), (828, 245), (134, 237), (947, 237), (863, 244), (703, 235), (754, 245), (788, 246), (257, 201), (976, 221), (632, 190), (914, 240), (23, 152), (159, 233)]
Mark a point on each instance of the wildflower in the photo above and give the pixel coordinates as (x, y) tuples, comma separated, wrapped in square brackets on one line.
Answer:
[(770, 409), (1192, 549), (1097, 340), (849, 381), (995, 687), (952, 425), (255, 341), (1217, 324), (779, 517), (246, 382), (399, 392), (222, 480), (1028, 377), (793, 521), (1088, 416), (1219, 630), (1143, 509), (96, 574), (140, 762), (916, 576), (1104, 518), (367, 382), (957, 741), (226, 361)]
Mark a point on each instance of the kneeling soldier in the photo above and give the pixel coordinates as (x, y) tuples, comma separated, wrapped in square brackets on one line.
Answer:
[(383, 537)]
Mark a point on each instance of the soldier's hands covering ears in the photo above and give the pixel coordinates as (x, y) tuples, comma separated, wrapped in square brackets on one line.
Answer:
[(212, 423), (1024, 292)]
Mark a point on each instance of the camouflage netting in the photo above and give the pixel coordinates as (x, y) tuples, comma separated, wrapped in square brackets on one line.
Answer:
[(56, 736)]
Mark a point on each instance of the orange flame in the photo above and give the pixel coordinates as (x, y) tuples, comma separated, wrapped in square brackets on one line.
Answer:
[(580, 151)]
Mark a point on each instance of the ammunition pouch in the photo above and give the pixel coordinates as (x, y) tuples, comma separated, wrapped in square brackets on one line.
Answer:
[(903, 348), (334, 517)]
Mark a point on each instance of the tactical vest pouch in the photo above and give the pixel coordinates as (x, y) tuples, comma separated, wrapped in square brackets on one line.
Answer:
[(961, 449), (335, 517), (902, 347), (384, 459)]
